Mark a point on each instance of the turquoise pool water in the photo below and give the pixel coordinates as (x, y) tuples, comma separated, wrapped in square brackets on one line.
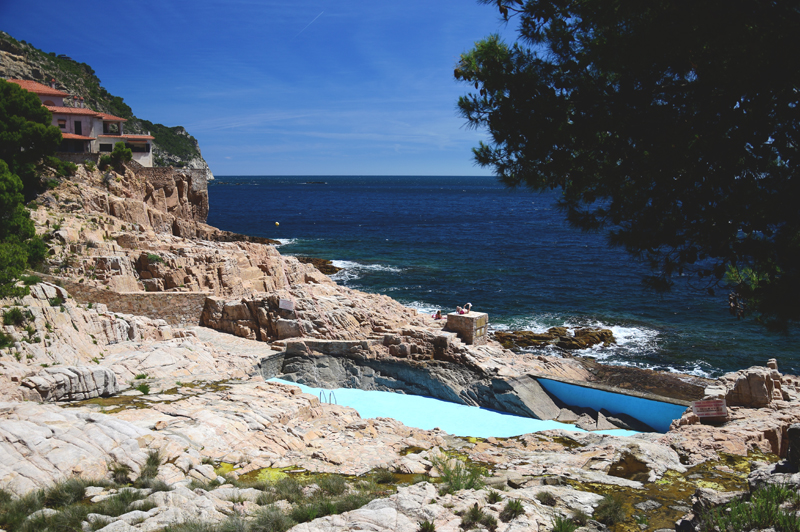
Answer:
[(428, 413)]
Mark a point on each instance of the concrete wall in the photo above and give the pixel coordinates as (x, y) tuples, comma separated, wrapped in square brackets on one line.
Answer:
[(78, 158), (176, 308)]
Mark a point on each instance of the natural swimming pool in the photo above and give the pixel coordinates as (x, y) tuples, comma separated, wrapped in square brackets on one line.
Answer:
[(428, 413)]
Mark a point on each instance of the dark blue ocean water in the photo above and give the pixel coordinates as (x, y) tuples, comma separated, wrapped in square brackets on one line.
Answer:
[(438, 242)]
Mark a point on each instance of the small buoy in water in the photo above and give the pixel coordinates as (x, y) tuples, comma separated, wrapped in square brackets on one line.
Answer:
[(277, 224)]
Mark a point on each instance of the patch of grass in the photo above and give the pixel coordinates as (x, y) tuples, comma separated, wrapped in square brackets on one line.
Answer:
[(546, 498), (426, 526), (457, 475), (64, 493), (144, 388), (383, 475), (6, 340), (153, 258), (120, 473), (30, 280), (494, 497), (352, 501), (192, 526), (489, 522), (56, 301), (119, 504), (763, 510), (207, 486), (579, 517), (288, 489), (271, 519), (609, 510), (149, 470), (14, 512), (512, 510), (13, 316), (140, 376), (472, 517), (332, 484), (560, 524)]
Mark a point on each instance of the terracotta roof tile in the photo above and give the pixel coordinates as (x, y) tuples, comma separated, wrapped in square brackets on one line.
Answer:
[(71, 111), (38, 88), (126, 136), (72, 136), (106, 116)]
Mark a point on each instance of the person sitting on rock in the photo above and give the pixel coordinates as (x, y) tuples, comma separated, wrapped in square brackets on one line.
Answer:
[(437, 315)]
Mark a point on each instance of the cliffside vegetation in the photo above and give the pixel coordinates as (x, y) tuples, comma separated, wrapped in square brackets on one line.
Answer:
[(172, 145), (26, 137)]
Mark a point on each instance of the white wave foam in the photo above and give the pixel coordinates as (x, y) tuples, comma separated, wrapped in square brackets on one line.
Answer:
[(350, 265), (285, 241), (423, 308)]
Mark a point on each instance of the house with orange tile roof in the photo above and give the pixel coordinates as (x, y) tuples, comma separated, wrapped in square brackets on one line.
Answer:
[(85, 130)]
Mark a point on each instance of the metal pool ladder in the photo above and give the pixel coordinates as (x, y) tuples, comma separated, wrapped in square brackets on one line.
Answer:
[(330, 398)]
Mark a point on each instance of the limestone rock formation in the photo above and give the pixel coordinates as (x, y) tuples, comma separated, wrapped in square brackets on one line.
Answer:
[(73, 383)]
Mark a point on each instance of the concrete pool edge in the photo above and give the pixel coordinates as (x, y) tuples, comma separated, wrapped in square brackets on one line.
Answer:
[(657, 411)]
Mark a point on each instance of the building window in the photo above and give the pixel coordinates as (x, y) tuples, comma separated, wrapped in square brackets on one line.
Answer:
[(78, 127), (106, 147), (62, 123)]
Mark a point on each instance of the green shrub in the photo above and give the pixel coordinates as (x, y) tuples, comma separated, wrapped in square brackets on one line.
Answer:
[(512, 510), (332, 484), (140, 376), (64, 493), (120, 473), (13, 316), (153, 258), (561, 524), (494, 497), (144, 388), (546, 498), (14, 512), (762, 511), (150, 468), (383, 475), (288, 489), (579, 517), (105, 161), (489, 522), (55, 301), (89, 165), (271, 519), (457, 475), (609, 510), (352, 501), (426, 526), (472, 517), (30, 280), (6, 340)]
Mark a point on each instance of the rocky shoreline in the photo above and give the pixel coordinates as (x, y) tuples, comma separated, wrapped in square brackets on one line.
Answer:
[(153, 334)]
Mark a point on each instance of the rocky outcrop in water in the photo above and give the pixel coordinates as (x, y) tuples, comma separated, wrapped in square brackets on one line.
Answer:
[(561, 337)]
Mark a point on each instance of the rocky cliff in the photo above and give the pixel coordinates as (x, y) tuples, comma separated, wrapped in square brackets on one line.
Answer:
[(173, 146)]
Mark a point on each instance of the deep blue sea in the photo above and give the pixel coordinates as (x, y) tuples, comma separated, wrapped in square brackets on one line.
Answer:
[(437, 242)]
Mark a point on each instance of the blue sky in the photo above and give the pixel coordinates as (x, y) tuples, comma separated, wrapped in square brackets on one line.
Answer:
[(311, 87)]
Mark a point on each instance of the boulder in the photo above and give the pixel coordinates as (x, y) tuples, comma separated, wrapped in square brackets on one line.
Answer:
[(73, 383)]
